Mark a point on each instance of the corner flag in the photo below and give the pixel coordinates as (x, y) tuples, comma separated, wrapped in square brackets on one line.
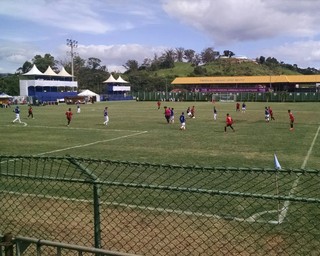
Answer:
[(277, 165)]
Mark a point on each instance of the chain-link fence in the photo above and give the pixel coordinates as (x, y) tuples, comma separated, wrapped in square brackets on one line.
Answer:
[(150, 209), (227, 96)]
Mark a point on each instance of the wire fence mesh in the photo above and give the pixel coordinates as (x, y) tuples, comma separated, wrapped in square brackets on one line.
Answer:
[(151, 209)]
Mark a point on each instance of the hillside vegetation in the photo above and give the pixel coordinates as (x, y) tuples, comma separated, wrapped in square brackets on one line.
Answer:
[(150, 80), (224, 68)]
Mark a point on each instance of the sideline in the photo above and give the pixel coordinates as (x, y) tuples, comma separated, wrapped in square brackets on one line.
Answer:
[(285, 208), (132, 206)]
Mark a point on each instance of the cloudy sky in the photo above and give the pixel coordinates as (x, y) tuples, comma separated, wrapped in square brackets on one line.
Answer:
[(118, 30)]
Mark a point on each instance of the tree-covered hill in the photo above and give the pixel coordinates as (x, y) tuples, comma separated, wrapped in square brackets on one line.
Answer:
[(148, 79)]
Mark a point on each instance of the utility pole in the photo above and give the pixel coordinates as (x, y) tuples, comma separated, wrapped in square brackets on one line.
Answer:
[(166, 89), (72, 44)]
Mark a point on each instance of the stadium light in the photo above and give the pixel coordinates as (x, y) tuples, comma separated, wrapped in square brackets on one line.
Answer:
[(72, 44)]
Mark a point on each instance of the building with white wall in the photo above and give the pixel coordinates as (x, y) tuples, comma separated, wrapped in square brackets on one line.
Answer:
[(47, 86)]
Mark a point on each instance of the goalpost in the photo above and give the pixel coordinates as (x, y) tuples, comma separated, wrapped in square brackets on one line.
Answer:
[(224, 97)]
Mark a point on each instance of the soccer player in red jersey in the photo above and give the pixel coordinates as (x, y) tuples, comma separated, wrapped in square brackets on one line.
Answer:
[(238, 107), (229, 123), (167, 113), (291, 117), (69, 116), (271, 113)]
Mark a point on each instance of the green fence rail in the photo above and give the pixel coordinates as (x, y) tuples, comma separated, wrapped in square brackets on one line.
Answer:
[(151, 209), (241, 96)]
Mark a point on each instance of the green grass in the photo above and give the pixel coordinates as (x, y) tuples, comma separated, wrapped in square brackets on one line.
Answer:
[(137, 131)]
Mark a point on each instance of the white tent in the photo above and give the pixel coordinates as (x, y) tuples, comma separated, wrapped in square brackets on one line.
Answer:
[(63, 72), (111, 79), (4, 96), (120, 80), (88, 93), (50, 72), (33, 71)]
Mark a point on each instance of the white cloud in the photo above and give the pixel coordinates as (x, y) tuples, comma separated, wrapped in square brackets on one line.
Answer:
[(232, 20), (136, 29), (67, 15), (115, 56), (303, 53), (93, 17), (14, 54)]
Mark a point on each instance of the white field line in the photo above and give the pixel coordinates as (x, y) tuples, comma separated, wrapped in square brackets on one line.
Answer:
[(91, 143), (132, 206), (88, 144), (14, 125), (115, 204), (285, 208), (88, 129)]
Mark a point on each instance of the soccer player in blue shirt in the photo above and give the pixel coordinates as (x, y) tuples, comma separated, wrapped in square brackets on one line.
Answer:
[(106, 117), (17, 112), (182, 121), (172, 115)]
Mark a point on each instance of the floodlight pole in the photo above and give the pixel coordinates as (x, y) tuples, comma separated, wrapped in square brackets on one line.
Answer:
[(72, 44)]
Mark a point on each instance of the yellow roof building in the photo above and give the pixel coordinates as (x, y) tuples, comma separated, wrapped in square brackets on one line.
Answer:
[(238, 80)]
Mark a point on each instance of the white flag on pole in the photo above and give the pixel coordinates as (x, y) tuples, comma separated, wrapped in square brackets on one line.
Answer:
[(277, 165)]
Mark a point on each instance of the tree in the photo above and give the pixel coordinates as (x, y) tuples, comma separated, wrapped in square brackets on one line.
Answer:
[(146, 64), (131, 65), (43, 63), (189, 55), (167, 59), (271, 61), (196, 60), (25, 67), (228, 53), (209, 55), (179, 54), (10, 84), (261, 60), (78, 64), (94, 63)]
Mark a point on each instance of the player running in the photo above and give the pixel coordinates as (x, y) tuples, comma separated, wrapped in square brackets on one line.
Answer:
[(229, 122), (291, 117), (69, 116), (271, 113), (182, 121), (17, 112)]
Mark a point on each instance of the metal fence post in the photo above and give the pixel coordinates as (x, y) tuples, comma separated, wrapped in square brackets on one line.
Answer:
[(7, 244), (96, 213), (96, 200)]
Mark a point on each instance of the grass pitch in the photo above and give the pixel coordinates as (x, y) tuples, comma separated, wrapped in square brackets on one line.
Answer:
[(138, 132)]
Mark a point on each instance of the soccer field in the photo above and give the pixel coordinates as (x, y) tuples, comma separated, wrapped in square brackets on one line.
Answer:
[(138, 132), (205, 204)]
